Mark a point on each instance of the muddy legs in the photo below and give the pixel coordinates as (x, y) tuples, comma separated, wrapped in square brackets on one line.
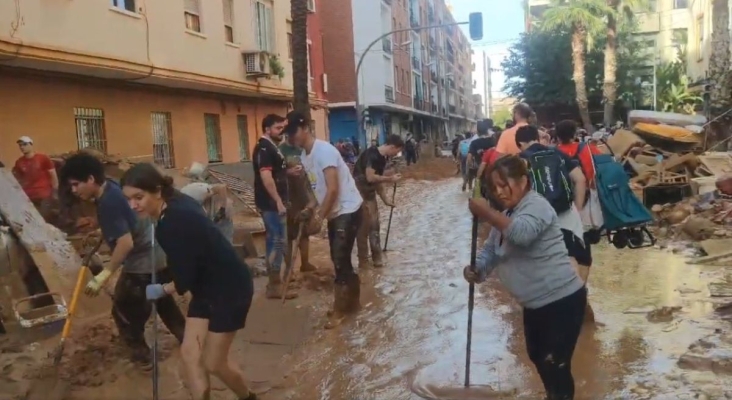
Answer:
[(342, 232), (369, 236), (205, 353)]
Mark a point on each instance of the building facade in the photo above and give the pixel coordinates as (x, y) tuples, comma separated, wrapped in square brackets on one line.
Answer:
[(414, 80), (174, 83)]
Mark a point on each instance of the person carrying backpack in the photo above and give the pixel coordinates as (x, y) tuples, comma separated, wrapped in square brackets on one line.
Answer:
[(582, 152), (464, 150), (559, 179)]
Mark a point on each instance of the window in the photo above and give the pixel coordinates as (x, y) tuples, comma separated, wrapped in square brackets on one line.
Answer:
[(680, 37), (263, 27), (396, 78), (681, 4), (229, 20), (289, 45), (192, 13), (311, 5), (700, 35), (128, 5), (310, 61), (213, 137), (242, 127), (162, 132), (90, 133), (652, 7)]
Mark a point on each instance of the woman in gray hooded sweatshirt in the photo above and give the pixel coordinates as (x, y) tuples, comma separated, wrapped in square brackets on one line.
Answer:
[(526, 248)]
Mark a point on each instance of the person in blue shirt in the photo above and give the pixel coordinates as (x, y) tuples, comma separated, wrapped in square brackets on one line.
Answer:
[(130, 240)]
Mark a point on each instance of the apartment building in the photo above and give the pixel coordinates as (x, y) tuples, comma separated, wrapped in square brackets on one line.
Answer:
[(173, 81), (699, 44), (411, 81)]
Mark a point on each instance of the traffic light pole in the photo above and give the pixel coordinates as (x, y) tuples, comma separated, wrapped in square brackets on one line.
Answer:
[(359, 106)]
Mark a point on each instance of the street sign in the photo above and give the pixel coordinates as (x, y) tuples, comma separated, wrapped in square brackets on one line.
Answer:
[(476, 26)]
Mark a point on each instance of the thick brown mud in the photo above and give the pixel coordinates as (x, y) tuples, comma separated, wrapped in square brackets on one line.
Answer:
[(409, 340)]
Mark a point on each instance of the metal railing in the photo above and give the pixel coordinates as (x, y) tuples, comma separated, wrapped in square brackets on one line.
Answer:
[(389, 94)]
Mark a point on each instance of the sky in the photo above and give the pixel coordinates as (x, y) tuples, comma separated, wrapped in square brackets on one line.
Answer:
[(503, 23)]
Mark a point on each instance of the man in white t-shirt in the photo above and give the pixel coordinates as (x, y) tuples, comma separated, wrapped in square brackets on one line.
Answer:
[(339, 202)]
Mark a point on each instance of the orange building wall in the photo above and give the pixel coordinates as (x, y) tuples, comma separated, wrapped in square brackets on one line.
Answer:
[(42, 108)]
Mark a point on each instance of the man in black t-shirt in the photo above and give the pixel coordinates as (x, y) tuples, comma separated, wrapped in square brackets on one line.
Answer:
[(270, 197), (486, 140), (369, 176)]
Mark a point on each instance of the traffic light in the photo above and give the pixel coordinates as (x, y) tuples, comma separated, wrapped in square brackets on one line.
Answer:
[(476, 26)]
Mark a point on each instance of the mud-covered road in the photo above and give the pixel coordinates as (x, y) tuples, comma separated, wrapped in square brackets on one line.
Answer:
[(408, 342)]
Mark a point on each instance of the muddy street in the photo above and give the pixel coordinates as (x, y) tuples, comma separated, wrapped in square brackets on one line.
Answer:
[(409, 340)]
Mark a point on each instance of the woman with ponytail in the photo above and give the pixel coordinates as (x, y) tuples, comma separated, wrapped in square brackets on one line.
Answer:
[(203, 263)]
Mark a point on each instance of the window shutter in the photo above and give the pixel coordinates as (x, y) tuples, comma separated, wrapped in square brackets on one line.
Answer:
[(269, 32), (228, 12), (191, 6), (255, 24)]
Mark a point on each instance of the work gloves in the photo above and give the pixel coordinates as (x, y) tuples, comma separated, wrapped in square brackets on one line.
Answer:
[(96, 283), (155, 291)]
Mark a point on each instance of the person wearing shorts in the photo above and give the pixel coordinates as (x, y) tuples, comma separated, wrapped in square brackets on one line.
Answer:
[(203, 263)]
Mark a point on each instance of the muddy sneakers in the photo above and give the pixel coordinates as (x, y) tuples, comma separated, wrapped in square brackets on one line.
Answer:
[(274, 288)]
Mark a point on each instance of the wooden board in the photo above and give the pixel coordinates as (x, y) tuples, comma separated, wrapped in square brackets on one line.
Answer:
[(55, 257), (718, 163)]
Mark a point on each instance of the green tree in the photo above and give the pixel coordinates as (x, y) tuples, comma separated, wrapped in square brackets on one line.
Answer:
[(539, 68), (300, 73), (501, 116), (584, 19), (620, 11)]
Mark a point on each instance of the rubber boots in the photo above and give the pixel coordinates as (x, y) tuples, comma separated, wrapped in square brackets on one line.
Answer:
[(274, 288)]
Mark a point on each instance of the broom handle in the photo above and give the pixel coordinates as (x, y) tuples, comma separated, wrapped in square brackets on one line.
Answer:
[(154, 280)]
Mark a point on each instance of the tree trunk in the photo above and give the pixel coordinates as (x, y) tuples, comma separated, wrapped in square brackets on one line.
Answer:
[(300, 72), (580, 87), (719, 64), (609, 86)]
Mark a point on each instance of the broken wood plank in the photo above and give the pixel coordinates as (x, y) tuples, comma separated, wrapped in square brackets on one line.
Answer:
[(717, 163), (55, 257), (716, 246)]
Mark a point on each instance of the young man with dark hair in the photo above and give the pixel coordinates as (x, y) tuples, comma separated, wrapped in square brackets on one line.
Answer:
[(270, 197), (130, 240), (527, 138), (369, 176), (340, 204)]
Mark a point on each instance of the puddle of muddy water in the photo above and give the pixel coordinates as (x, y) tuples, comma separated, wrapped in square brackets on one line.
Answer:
[(409, 341)]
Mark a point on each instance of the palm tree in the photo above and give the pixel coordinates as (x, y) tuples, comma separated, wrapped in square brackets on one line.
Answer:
[(300, 73), (620, 9), (719, 65), (584, 19)]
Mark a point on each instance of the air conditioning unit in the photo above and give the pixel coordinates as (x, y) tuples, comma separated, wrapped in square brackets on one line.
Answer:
[(256, 63), (325, 83)]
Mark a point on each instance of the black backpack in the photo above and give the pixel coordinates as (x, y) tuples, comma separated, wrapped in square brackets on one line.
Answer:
[(550, 177)]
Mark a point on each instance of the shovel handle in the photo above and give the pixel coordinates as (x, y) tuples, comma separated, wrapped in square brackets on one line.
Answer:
[(74, 302), (293, 255)]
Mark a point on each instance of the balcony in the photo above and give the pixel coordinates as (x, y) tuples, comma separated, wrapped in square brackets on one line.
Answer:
[(433, 74), (452, 109), (451, 57), (386, 45), (432, 42), (450, 83), (416, 63), (649, 22), (419, 103), (389, 94), (434, 108)]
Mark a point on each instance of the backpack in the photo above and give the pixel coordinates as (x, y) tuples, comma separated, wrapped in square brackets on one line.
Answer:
[(465, 147), (550, 178)]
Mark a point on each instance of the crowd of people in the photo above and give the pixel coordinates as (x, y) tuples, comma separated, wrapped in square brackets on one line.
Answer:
[(534, 185)]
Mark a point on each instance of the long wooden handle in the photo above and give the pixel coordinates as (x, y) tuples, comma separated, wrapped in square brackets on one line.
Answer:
[(293, 256), (74, 301)]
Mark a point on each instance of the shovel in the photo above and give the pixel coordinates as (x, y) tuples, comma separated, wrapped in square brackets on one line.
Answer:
[(471, 288), (391, 213), (293, 252), (50, 387)]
